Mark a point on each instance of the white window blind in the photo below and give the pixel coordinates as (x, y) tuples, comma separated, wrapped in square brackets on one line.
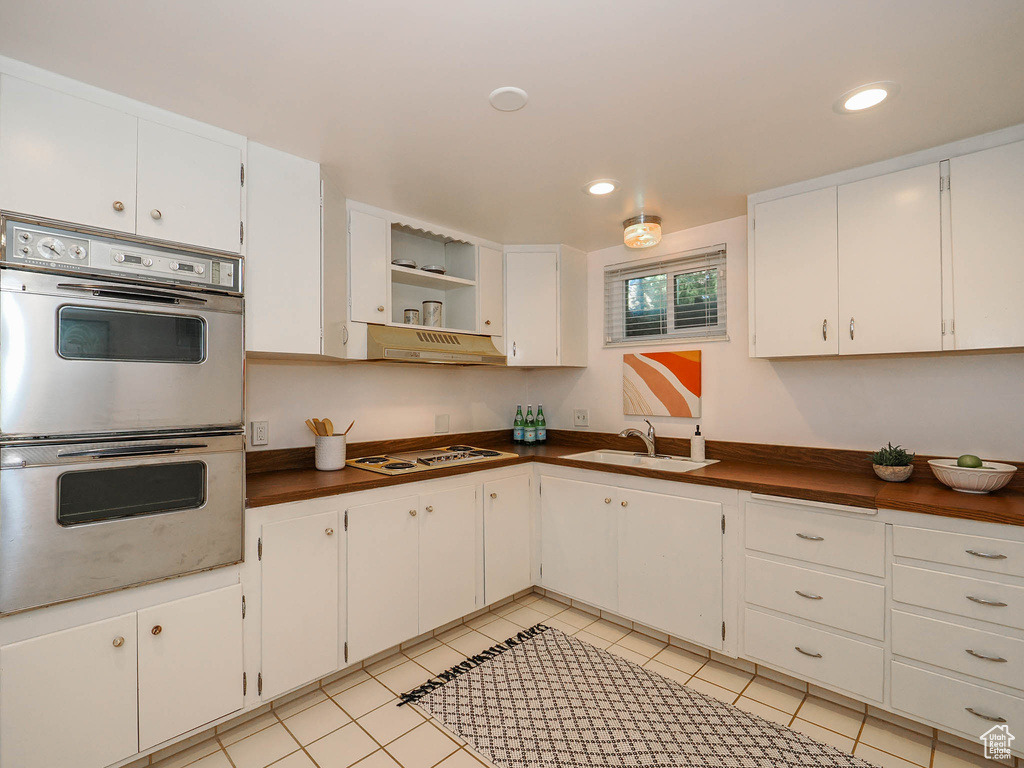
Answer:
[(680, 296)]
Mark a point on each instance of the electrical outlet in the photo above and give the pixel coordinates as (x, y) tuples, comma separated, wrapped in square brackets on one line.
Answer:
[(441, 423), (259, 432), (581, 417)]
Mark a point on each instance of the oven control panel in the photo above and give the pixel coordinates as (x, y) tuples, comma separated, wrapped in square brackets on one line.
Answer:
[(53, 248)]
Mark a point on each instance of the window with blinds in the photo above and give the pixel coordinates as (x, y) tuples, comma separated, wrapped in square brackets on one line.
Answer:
[(681, 296)]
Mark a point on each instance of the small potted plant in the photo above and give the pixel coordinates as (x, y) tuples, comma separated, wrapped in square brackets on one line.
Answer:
[(893, 463)]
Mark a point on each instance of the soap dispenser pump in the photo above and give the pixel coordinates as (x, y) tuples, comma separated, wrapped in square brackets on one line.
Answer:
[(697, 446)]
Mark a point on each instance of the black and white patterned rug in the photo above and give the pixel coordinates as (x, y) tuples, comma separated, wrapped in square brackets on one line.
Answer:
[(546, 699)]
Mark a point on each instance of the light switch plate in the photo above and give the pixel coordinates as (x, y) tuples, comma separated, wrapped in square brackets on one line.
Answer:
[(441, 422), (581, 417), (259, 432)]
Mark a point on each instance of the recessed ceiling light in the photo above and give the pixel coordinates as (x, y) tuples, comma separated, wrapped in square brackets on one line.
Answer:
[(601, 187), (865, 97), (508, 99)]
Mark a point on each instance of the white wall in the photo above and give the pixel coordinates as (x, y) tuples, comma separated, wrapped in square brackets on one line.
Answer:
[(936, 404), (386, 400)]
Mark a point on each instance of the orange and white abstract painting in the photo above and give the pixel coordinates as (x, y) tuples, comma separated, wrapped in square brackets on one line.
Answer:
[(661, 384)]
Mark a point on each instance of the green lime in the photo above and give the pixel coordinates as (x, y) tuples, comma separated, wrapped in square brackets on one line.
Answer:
[(968, 460)]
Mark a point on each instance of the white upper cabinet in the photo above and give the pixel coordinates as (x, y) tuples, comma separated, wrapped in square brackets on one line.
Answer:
[(65, 158), (70, 698), (369, 246), (532, 308), (795, 285), (987, 213), (890, 263), (189, 188), (282, 255), (492, 292)]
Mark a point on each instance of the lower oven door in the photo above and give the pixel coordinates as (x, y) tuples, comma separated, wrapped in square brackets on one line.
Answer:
[(79, 519), (82, 356)]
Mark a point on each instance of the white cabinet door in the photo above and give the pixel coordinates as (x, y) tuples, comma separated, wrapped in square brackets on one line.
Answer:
[(189, 188), (383, 574), (507, 544), (448, 553), (190, 663), (890, 263), (70, 698), (492, 292), (670, 564), (987, 211), (299, 583), (369, 248), (282, 253), (531, 308), (796, 276), (579, 540), (66, 158)]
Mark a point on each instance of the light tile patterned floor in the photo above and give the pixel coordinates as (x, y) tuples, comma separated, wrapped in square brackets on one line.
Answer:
[(354, 721)]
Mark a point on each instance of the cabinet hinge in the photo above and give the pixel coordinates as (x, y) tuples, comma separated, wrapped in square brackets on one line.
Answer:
[(259, 683), (753, 224), (346, 519), (242, 175), (346, 652), (723, 630), (723, 523), (259, 548), (943, 183), (243, 606), (241, 232), (542, 570), (245, 684)]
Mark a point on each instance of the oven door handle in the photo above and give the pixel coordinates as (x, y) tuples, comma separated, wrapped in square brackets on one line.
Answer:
[(115, 453), (136, 294)]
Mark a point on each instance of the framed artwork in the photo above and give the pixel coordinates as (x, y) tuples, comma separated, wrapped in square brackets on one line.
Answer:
[(661, 384)]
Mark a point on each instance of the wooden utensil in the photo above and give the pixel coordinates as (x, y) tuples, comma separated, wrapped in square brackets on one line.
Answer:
[(319, 427), (312, 426), (329, 426), (349, 427)]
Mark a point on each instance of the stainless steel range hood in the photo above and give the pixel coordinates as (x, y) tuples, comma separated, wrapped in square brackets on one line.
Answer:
[(415, 345)]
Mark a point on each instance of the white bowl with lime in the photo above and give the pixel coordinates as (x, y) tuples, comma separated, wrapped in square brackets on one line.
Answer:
[(969, 474)]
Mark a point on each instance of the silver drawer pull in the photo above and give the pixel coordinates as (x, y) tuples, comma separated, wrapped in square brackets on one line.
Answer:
[(809, 537), (983, 657), (986, 555), (809, 596), (808, 653), (990, 718), (985, 601)]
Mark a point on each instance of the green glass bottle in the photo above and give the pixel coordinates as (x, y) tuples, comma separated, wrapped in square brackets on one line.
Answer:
[(518, 426), (542, 425), (531, 426)]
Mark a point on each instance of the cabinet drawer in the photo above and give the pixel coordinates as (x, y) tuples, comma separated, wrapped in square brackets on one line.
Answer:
[(817, 537), (960, 595), (977, 552), (844, 663), (837, 601), (959, 648), (945, 701)]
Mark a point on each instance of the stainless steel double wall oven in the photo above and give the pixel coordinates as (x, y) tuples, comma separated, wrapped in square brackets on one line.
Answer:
[(121, 409)]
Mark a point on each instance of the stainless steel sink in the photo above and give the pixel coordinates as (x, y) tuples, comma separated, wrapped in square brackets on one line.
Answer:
[(629, 459)]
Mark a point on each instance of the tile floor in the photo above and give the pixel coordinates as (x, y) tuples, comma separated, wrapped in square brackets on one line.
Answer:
[(353, 721)]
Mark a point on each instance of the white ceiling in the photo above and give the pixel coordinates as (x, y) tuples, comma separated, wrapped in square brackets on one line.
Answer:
[(692, 104)]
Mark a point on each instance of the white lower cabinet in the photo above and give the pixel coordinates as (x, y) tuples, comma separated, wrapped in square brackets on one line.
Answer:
[(670, 564), (299, 600), (507, 537), (383, 575), (447, 556), (69, 698), (579, 541), (190, 663)]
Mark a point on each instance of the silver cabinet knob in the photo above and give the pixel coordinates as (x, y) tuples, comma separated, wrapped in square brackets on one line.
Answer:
[(607, 501), (329, 531), (625, 503), (851, 329), (118, 642), (513, 349), (380, 308), (118, 206), (412, 512), (487, 322), (155, 213), (430, 508), (157, 629), (494, 495)]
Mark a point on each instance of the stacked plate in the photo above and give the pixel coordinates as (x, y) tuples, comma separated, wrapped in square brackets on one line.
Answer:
[(408, 263)]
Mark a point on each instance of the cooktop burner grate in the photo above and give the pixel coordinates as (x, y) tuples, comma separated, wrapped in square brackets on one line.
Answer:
[(399, 465), (459, 448), (425, 460), (372, 460)]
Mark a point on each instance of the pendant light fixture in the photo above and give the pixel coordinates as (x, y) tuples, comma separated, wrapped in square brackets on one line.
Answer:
[(641, 231)]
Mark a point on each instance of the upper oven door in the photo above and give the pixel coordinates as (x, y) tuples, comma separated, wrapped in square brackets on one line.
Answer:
[(81, 356)]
